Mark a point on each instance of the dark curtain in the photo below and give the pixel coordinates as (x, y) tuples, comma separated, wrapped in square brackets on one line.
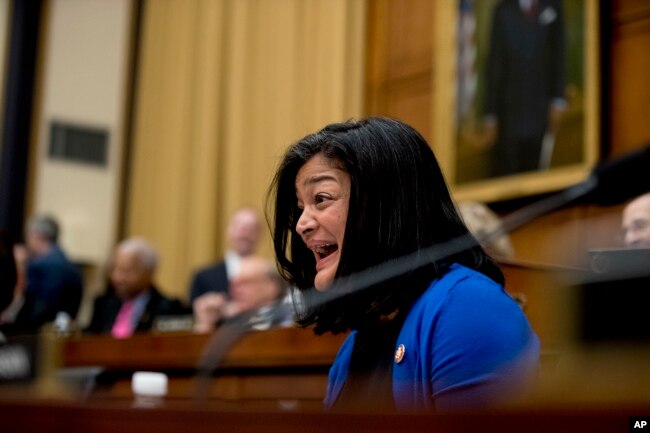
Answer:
[(17, 119)]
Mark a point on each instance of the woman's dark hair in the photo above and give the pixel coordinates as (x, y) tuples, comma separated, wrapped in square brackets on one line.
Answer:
[(399, 204)]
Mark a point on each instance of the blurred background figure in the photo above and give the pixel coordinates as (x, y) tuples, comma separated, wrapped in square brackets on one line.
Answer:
[(256, 286), (636, 222), (9, 313), (525, 97), (52, 283), (481, 221), (132, 301), (8, 273), (243, 236)]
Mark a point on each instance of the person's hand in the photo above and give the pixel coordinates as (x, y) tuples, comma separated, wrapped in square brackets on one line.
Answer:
[(234, 307), (208, 309)]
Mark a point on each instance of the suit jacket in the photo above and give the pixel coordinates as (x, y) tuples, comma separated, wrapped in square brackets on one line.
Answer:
[(526, 68), (53, 284), (464, 343), (210, 279), (108, 306)]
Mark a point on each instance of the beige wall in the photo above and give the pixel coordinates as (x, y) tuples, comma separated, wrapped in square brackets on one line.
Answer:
[(223, 88), (83, 80)]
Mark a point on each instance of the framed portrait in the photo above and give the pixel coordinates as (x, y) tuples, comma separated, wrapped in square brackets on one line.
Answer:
[(516, 95)]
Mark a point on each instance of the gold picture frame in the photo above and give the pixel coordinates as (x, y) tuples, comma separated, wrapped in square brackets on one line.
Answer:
[(457, 136)]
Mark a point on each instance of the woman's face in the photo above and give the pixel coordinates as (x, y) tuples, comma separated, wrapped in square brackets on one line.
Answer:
[(323, 193)]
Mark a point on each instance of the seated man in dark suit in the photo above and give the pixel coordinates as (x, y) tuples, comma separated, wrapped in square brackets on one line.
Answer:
[(243, 235), (257, 286), (132, 302), (53, 283)]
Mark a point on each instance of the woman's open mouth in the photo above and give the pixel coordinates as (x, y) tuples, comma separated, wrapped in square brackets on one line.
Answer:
[(324, 251)]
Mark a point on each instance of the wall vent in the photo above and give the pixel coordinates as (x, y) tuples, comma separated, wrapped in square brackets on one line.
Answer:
[(76, 143)]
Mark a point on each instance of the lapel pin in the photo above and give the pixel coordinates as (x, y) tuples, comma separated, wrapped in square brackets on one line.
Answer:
[(399, 353)]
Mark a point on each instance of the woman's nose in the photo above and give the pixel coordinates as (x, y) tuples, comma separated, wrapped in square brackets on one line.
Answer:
[(306, 223)]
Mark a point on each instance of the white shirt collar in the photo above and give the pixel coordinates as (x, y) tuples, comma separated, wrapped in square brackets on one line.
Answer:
[(233, 264)]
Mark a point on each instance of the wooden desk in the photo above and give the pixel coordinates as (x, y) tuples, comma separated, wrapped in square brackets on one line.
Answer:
[(276, 367), (549, 298), (65, 417), (288, 347)]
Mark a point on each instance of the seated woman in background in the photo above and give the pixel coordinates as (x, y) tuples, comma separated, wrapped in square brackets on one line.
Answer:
[(442, 336)]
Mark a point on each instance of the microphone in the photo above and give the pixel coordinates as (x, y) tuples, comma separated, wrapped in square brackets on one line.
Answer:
[(217, 348), (621, 179), (228, 333), (612, 182)]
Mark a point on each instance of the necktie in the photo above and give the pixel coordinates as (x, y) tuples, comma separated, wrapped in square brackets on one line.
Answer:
[(123, 326)]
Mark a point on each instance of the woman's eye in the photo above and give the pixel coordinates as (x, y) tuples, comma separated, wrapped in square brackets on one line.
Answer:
[(320, 198)]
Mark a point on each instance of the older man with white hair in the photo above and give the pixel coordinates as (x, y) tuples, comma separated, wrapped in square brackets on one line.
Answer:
[(132, 302)]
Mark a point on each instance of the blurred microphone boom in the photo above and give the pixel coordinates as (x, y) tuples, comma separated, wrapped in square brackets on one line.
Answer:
[(621, 179)]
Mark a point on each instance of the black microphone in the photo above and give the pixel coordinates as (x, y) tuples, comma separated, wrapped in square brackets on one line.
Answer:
[(229, 333), (611, 182), (621, 179)]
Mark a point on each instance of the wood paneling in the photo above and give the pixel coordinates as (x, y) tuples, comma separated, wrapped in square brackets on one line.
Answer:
[(541, 291), (266, 366), (630, 10), (38, 416), (290, 347), (399, 65), (410, 39), (630, 75), (410, 99)]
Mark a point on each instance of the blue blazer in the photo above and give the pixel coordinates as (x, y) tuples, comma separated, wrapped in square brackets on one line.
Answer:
[(466, 344)]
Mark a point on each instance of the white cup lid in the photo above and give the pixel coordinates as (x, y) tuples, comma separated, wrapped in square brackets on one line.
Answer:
[(149, 383)]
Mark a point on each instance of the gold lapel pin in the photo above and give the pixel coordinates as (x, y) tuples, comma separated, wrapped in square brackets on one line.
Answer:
[(399, 353)]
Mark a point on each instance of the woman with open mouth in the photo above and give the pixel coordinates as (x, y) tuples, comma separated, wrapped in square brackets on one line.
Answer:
[(347, 205)]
